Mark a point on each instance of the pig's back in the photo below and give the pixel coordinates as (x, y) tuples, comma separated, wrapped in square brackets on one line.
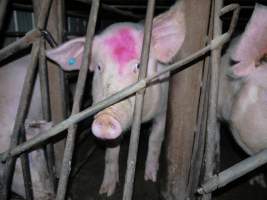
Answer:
[(11, 82)]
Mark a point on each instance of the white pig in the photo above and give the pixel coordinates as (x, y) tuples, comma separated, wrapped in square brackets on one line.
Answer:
[(11, 82), (115, 61), (243, 90)]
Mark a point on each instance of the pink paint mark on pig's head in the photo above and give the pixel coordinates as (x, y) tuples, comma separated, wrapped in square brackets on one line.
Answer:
[(123, 46)]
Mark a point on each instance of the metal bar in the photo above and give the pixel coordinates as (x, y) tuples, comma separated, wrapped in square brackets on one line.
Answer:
[(26, 170), (212, 135), (44, 87), (128, 91), (23, 105), (212, 131), (234, 172), (70, 143), (199, 139), (115, 10), (22, 43), (138, 108), (3, 8)]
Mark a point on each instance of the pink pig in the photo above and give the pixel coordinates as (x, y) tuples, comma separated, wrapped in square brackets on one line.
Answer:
[(115, 61), (243, 91)]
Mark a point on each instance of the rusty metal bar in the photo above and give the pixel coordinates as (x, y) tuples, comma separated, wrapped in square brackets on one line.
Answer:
[(3, 8), (138, 108), (234, 172), (23, 105), (128, 91), (22, 43), (70, 143)]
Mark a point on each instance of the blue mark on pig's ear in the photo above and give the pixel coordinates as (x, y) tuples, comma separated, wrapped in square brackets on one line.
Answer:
[(72, 61)]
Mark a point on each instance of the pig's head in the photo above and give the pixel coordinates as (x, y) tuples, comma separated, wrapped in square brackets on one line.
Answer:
[(115, 62), (251, 49)]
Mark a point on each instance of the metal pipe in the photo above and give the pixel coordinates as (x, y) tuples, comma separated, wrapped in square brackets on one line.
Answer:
[(212, 135), (138, 108), (22, 43), (3, 8), (70, 143), (212, 129), (128, 91), (234, 172), (23, 105), (45, 99)]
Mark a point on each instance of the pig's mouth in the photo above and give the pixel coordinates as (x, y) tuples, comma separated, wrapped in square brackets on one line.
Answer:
[(106, 126)]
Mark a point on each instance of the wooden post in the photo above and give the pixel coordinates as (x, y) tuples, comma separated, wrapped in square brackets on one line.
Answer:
[(183, 106)]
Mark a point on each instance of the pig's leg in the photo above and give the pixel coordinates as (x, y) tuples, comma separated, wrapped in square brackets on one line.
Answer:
[(156, 137), (111, 174)]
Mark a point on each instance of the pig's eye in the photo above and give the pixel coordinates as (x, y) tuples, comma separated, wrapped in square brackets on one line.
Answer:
[(136, 67), (98, 67)]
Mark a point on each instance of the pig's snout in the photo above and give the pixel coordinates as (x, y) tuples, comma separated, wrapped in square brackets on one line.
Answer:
[(106, 127)]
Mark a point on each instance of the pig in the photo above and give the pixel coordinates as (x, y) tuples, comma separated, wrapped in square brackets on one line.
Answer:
[(11, 82), (242, 101), (115, 62)]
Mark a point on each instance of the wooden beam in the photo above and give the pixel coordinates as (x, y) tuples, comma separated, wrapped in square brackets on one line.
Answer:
[(184, 98)]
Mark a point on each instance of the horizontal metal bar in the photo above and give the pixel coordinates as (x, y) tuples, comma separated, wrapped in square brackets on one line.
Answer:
[(234, 172), (22, 43)]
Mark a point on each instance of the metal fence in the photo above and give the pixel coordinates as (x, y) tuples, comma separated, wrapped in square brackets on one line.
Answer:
[(34, 37)]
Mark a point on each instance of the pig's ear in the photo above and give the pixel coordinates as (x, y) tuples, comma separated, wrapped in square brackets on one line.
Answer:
[(168, 32), (243, 68), (253, 42), (68, 55)]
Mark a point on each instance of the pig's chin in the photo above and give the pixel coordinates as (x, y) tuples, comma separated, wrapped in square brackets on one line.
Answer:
[(105, 126)]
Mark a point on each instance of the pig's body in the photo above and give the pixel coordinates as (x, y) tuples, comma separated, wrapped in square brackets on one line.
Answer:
[(115, 61), (11, 83), (243, 86)]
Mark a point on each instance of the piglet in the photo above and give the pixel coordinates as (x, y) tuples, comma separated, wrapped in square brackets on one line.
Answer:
[(243, 84), (11, 82), (115, 62)]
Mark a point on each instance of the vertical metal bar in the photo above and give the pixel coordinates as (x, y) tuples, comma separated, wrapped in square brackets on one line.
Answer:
[(46, 110), (23, 105), (213, 137), (139, 98), (26, 170), (3, 8), (68, 153)]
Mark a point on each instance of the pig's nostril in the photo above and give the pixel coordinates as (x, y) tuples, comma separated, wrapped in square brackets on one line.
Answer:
[(106, 127)]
